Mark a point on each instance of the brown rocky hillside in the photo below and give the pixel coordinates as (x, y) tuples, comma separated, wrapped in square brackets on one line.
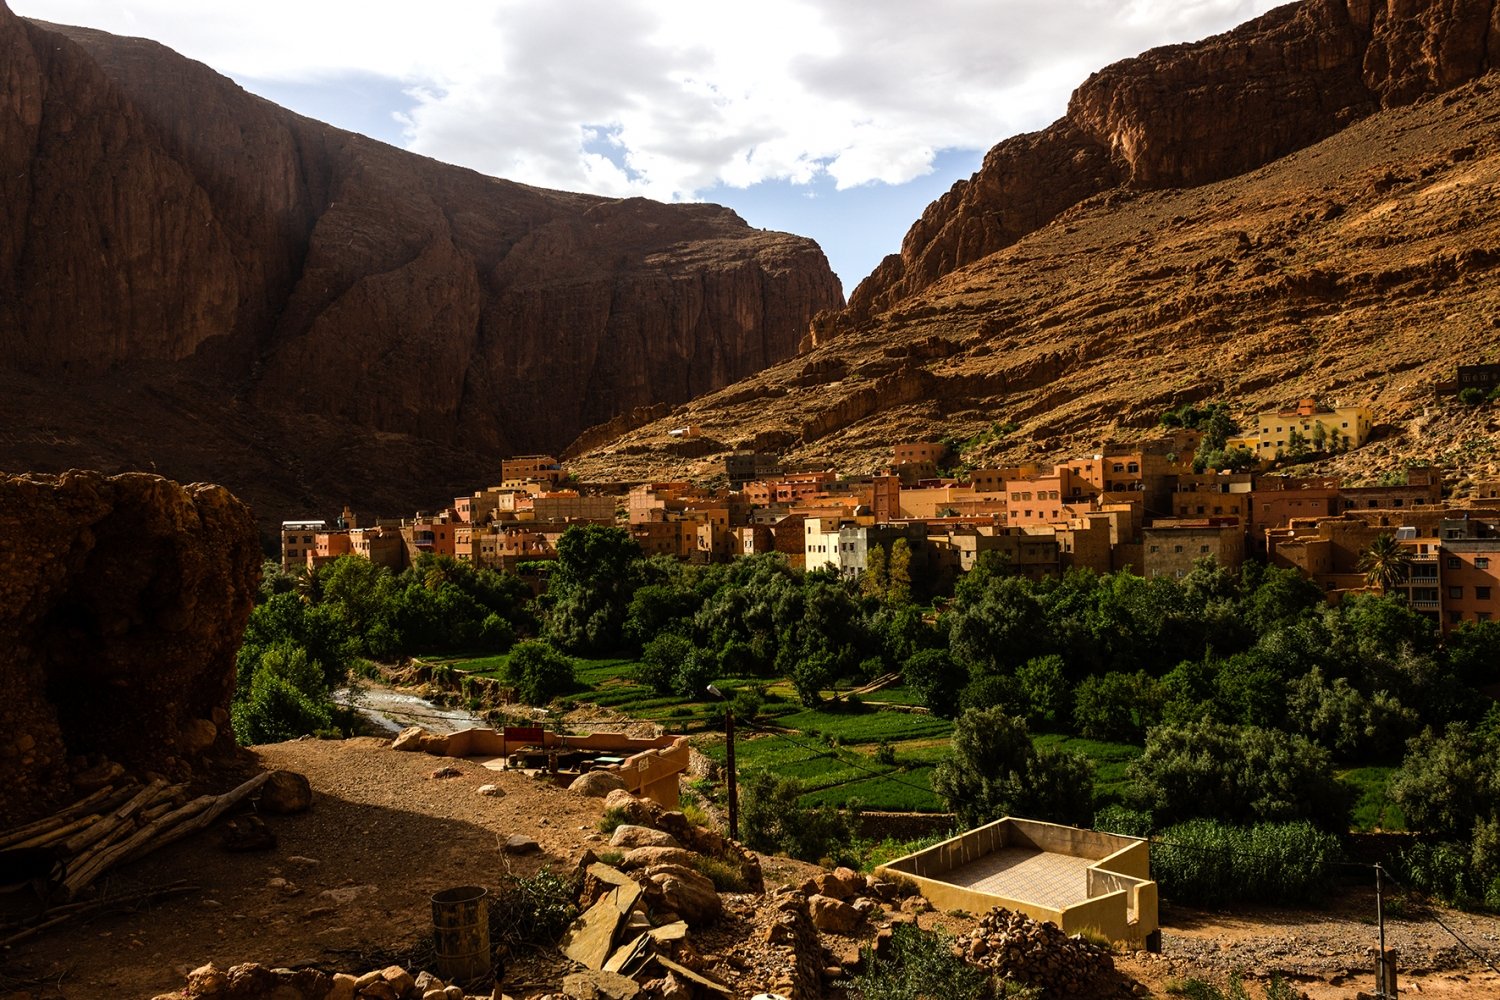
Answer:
[(197, 281), (1305, 205)]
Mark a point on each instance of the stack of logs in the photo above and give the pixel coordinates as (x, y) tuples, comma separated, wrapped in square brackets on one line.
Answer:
[(73, 847), (1040, 955)]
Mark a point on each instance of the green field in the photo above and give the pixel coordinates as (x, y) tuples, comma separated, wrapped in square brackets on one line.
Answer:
[(1373, 808)]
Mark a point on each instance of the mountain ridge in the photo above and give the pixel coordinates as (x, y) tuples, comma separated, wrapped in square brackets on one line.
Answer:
[(1359, 265)]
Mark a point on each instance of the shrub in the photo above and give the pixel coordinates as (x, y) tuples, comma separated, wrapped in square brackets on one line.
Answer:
[(725, 876), (771, 819), (277, 710), (1206, 862), (530, 910), (921, 964), (1122, 820), (1471, 396), (613, 817)]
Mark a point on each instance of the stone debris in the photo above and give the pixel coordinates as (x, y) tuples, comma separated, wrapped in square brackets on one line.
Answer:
[(597, 784), (1040, 955)]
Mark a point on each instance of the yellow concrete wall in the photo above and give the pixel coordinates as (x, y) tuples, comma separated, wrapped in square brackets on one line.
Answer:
[(1125, 909)]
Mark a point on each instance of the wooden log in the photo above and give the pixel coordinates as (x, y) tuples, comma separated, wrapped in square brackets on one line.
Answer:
[(57, 819), (182, 821), (53, 836), (111, 825)]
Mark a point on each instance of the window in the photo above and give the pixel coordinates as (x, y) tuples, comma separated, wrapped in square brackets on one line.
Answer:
[(1456, 593), (1177, 548), (1454, 562), (1481, 593), (1481, 562), (1483, 616), (1154, 548), (1454, 617)]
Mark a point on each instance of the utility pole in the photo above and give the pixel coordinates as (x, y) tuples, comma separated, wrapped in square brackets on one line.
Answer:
[(1385, 961), (734, 796)]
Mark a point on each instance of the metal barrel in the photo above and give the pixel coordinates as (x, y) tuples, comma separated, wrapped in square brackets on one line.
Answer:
[(461, 933)]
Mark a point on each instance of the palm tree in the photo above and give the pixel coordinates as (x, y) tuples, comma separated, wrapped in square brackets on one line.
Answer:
[(1385, 563)]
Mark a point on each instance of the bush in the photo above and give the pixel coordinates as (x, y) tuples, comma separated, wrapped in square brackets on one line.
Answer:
[(538, 672), (531, 910), (1471, 396), (921, 964), (1240, 774), (1205, 862), (277, 710), (725, 876), (771, 820), (1122, 820)]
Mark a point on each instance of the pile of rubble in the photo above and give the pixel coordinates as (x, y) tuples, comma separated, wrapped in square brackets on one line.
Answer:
[(1040, 955)]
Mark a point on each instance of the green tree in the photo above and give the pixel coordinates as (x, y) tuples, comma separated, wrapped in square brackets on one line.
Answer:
[(936, 679), (898, 590), (873, 582), (995, 770), (1238, 774), (1044, 687), (538, 672), (1385, 563), (590, 590), (1117, 706), (661, 661)]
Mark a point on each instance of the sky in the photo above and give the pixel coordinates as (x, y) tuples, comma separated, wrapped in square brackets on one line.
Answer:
[(836, 119)]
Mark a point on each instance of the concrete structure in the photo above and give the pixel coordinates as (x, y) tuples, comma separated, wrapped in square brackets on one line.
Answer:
[(1319, 428), (1080, 880), (297, 541), (1172, 548)]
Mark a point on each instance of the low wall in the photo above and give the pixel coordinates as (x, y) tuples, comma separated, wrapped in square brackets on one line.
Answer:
[(650, 769)]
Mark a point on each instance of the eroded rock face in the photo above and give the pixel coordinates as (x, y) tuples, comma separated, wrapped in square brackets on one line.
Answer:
[(305, 287), (122, 603), (1185, 115)]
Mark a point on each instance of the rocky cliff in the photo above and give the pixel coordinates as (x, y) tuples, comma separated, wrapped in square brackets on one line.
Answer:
[(199, 279), (1304, 206), (1187, 115), (122, 602)]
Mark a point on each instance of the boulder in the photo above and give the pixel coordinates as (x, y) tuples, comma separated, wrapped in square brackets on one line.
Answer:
[(518, 843), (686, 893), (600, 986), (833, 916), (629, 836), (631, 807), (409, 739), (645, 857), (285, 793), (596, 784), (197, 735), (207, 981), (492, 791), (841, 883)]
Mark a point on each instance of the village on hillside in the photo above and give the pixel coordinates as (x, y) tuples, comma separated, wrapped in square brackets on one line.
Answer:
[(1200, 491)]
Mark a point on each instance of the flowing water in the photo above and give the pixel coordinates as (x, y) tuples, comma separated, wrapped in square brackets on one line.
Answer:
[(391, 711)]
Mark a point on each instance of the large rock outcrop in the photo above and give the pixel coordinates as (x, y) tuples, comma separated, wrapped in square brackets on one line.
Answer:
[(233, 278), (122, 603), (1186, 115)]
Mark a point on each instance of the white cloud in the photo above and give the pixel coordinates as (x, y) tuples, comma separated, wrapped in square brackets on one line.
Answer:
[(669, 97)]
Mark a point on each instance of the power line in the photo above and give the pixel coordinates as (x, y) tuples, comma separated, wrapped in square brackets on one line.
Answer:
[(1453, 933)]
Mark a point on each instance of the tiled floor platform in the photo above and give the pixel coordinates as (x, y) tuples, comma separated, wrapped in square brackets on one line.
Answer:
[(1053, 880)]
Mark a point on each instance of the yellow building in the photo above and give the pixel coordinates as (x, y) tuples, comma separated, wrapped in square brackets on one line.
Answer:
[(1318, 427)]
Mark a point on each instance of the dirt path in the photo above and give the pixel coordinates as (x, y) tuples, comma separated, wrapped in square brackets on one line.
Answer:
[(1327, 953)]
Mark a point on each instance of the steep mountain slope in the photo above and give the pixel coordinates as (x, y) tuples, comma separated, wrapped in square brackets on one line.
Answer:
[(195, 278), (1071, 290)]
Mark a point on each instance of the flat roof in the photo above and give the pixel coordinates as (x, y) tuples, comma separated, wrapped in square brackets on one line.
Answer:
[(1053, 880)]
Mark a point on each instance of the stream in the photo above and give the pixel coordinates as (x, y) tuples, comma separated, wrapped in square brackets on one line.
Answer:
[(391, 711)]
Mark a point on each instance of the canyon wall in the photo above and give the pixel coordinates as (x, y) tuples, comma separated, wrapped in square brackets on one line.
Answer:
[(167, 234), (1186, 115)]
